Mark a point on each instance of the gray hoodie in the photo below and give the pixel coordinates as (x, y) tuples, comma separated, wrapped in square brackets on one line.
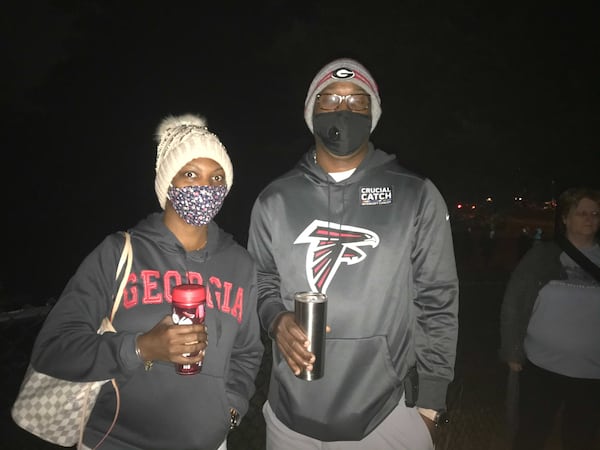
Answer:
[(159, 409), (379, 245)]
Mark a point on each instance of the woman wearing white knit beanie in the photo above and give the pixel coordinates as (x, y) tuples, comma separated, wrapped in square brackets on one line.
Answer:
[(157, 407)]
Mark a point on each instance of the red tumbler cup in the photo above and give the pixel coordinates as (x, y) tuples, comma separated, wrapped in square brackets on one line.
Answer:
[(189, 302)]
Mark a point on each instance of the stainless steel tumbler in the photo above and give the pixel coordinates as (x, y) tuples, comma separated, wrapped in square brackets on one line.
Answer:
[(310, 310)]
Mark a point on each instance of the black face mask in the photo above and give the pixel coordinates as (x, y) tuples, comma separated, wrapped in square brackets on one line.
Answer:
[(342, 132)]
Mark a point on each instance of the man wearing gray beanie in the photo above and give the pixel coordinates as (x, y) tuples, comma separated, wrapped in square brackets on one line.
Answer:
[(350, 222)]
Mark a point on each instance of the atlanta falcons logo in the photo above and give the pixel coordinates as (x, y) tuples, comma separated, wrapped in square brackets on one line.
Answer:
[(331, 244)]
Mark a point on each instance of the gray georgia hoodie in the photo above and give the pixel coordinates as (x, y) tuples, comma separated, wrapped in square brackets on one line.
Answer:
[(159, 408)]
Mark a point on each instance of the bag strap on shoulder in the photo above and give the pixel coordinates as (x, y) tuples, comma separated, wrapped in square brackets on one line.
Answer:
[(586, 263), (125, 261)]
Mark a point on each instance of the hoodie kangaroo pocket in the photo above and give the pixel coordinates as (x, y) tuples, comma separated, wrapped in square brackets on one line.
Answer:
[(358, 390)]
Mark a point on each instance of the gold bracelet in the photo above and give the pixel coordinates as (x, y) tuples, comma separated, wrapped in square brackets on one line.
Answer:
[(138, 352)]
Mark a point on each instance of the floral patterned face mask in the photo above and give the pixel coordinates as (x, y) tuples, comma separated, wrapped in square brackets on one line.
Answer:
[(197, 205)]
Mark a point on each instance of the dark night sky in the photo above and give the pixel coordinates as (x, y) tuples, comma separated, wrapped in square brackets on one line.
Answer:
[(483, 100)]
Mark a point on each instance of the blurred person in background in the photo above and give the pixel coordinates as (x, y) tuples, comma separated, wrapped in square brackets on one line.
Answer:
[(550, 329)]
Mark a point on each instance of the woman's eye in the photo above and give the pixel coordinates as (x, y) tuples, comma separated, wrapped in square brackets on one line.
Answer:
[(189, 174), (218, 178)]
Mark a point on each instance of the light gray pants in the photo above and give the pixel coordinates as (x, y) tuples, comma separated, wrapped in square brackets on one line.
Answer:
[(402, 429)]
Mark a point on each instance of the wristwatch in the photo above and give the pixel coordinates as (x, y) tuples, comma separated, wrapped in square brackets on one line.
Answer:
[(439, 418), (234, 418)]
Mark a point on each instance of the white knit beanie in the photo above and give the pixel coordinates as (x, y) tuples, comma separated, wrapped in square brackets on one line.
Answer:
[(343, 69), (180, 140)]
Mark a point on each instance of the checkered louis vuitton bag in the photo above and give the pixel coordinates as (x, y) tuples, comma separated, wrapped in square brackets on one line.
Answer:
[(57, 410)]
